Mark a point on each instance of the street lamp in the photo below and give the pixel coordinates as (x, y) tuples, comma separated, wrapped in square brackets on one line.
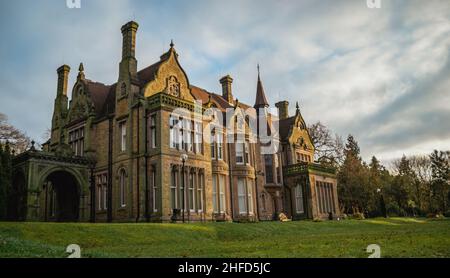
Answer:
[(183, 158), (382, 203)]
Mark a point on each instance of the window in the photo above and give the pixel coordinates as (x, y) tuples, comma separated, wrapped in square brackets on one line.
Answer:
[(153, 131), (213, 146), (123, 136), (191, 192), (219, 145), (175, 133), (268, 161), (76, 141), (122, 184), (222, 206), (200, 186), (174, 188), (188, 136), (242, 196), (299, 207), (155, 190), (325, 197), (214, 194), (105, 191), (198, 138), (278, 168), (102, 191), (239, 153), (298, 157), (247, 152), (250, 197)]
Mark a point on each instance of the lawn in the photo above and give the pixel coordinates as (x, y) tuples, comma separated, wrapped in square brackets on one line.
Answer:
[(397, 237)]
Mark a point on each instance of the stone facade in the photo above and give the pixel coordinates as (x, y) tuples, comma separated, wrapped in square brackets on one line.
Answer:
[(116, 145)]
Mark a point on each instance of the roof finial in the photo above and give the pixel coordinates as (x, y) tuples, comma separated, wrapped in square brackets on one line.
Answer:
[(81, 72), (258, 70), (297, 107), (171, 44)]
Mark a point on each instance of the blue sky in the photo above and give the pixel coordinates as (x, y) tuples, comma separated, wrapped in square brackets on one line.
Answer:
[(380, 74)]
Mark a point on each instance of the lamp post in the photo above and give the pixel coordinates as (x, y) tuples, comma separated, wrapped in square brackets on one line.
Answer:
[(382, 204), (183, 158)]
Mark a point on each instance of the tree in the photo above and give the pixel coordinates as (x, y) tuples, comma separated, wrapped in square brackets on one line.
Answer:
[(421, 193), (329, 148), (5, 178), (353, 180), (440, 174), (18, 140)]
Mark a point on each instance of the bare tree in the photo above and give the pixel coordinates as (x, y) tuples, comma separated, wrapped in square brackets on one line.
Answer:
[(18, 140), (329, 147)]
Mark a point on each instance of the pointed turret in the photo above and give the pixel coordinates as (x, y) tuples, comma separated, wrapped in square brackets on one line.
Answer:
[(261, 100)]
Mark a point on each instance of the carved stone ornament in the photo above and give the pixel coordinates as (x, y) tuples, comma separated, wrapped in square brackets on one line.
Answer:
[(173, 86)]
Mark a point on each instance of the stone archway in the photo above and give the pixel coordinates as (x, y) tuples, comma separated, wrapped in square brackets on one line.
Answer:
[(62, 197)]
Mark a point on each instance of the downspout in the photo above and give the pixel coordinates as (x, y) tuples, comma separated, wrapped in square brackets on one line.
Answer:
[(138, 209), (92, 195), (147, 215), (256, 186), (110, 150), (231, 181)]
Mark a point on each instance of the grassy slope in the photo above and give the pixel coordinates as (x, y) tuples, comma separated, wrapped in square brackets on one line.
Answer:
[(398, 237)]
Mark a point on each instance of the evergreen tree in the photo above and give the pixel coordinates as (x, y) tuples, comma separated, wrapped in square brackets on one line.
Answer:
[(440, 168), (353, 180)]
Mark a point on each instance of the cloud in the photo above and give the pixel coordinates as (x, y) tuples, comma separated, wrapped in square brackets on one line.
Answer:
[(380, 74)]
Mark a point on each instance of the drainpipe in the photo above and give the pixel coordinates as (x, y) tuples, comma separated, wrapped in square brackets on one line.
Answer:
[(92, 187), (147, 215), (231, 181), (138, 209), (110, 150)]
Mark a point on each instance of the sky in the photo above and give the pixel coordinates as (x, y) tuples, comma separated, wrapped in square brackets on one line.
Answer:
[(380, 74)]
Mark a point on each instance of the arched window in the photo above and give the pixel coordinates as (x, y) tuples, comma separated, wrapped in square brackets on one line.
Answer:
[(122, 188)]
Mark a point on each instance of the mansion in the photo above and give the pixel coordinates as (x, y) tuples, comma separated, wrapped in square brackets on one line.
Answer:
[(154, 147)]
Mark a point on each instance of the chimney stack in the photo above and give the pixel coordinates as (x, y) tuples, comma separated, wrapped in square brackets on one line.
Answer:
[(227, 94), (63, 78), (129, 40), (128, 65), (283, 109)]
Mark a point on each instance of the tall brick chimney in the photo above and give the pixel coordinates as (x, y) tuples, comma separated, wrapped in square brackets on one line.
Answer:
[(63, 78), (283, 109), (227, 93), (128, 66)]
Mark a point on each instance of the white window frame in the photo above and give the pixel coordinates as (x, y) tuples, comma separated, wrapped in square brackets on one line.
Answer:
[(123, 136), (240, 160), (242, 196), (174, 189), (299, 204), (191, 191), (155, 190), (222, 194), (153, 131), (215, 179), (122, 188)]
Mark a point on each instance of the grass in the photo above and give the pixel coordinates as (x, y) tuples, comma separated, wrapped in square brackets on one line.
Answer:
[(397, 237)]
